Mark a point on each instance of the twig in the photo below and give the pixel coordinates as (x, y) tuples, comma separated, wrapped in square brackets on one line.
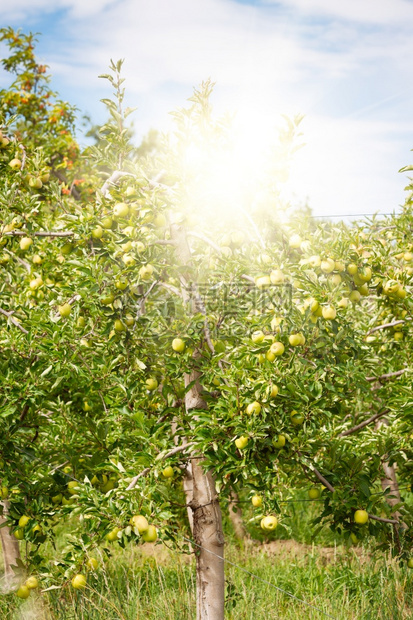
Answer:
[(206, 239), (74, 297), (383, 520), (141, 304), (389, 375), (317, 473), (162, 242), (364, 423), (21, 146), (384, 326), (331, 488), (248, 278), (41, 233), (112, 180), (19, 260), (14, 321), (146, 471), (184, 446), (171, 288)]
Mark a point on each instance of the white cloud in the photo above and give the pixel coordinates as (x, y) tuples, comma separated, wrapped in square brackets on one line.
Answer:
[(266, 62), (366, 11)]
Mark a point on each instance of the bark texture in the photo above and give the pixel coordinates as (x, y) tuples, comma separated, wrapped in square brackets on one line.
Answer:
[(11, 551), (206, 512), (207, 528)]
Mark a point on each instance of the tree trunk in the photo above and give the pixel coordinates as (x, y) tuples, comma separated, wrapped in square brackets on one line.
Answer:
[(207, 518), (207, 528), (11, 551)]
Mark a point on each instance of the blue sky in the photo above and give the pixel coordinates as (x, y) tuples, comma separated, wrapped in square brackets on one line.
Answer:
[(345, 65)]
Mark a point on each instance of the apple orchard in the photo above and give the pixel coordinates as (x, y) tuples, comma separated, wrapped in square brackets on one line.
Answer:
[(169, 341)]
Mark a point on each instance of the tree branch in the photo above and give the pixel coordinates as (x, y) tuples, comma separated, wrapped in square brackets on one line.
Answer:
[(12, 320), (206, 239), (358, 427), (389, 375), (384, 326), (41, 233), (146, 471)]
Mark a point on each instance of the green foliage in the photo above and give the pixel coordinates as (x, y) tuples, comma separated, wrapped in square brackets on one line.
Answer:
[(89, 313)]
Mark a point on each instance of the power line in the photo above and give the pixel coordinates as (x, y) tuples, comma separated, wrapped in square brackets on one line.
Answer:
[(350, 215), (259, 578)]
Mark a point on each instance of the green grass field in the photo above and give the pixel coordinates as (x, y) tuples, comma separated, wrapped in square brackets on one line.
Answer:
[(156, 583)]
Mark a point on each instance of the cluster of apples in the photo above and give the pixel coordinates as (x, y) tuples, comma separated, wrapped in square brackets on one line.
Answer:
[(140, 526)]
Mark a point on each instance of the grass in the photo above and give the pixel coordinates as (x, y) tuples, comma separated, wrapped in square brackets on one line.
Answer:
[(136, 586), (155, 583)]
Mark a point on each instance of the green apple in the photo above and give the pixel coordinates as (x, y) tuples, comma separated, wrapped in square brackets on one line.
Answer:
[(256, 501), (277, 348), (66, 249), (107, 298), (25, 243), (151, 384), (297, 418), (253, 407), (120, 210), (37, 530), (73, 487), (92, 564), (19, 533), (97, 233), (241, 442), (24, 519), (257, 337), (295, 340), (410, 563), (150, 535), (352, 269), (146, 272), (56, 499), (328, 265), (140, 523), (295, 242), (354, 296), (178, 345), (79, 582), (119, 326), (269, 523), (4, 492), (35, 283), (361, 517), (279, 441), (65, 310), (81, 322), (354, 538), (277, 276), (113, 534), (107, 223), (23, 592), (262, 281), (272, 390), (32, 583), (168, 472), (329, 313), (35, 182), (121, 284), (15, 164), (314, 493), (129, 320)]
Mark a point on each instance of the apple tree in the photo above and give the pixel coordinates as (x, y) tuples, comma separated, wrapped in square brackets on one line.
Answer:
[(166, 341)]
